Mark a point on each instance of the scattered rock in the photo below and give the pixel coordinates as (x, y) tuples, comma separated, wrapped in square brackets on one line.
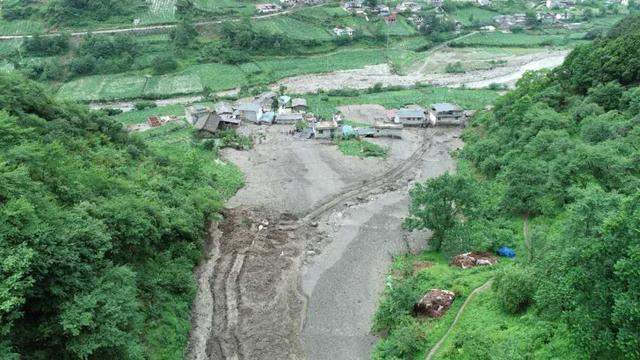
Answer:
[(434, 303), (473, 259)]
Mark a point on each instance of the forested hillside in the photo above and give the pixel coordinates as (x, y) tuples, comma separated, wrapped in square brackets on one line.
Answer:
[(99, 232), (553, 171)]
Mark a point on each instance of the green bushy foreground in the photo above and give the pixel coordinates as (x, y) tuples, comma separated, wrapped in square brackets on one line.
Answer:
[(99, 231), (552, 171)]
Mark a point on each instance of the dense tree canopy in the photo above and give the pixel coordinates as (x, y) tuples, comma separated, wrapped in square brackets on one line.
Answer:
[(559, 157), (98, 233)]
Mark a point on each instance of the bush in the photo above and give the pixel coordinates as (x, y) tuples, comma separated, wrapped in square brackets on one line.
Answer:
[(164, 63), (407, 340), (455, 68), (144, 104), (515, 287), (46, 45)]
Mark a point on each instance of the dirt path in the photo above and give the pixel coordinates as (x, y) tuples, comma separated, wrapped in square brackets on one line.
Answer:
[(250, 281), (344, 281), (473, 294), (152, 28)]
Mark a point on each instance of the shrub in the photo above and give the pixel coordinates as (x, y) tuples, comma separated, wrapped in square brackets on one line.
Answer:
[(455, 68), (515, 287), (164, 63), (144, 104), (407, 340)]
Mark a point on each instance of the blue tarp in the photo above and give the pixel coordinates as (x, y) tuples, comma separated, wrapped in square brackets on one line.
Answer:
[(506, 252), (347, 131)]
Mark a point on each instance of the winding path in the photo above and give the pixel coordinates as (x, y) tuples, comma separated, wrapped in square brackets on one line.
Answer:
[(475, 292)]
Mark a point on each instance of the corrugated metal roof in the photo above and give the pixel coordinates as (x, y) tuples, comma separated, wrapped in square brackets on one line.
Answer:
[(410, 113), (445, 107), (249, 107), (298, 102)]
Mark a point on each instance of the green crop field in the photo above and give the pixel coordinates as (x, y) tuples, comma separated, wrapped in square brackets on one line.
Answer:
[(325, 105), (103, 87), (160, 11), (294, 29), (8, 46), (218, 76), (165, 85), (342, 60), (19, 27), (516, 39), (223, 7), (469, 15), (399, 28)]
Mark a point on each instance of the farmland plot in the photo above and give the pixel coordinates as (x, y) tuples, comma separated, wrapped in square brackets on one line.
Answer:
[(166, 85), (20, 27), (218, 76), (160, 11), (294, 29), (343, 60), (515, 40), (103, 87), (8, 46)]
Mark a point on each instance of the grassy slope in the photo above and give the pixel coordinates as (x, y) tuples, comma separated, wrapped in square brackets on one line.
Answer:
[(440, 275)]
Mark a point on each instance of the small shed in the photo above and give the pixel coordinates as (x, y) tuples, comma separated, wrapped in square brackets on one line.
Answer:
[(284, 101), (268, 117), (299, 105), (250, 112), (325, 129)]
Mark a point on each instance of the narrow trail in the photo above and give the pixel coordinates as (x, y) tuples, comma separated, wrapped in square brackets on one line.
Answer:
[(473, 294)]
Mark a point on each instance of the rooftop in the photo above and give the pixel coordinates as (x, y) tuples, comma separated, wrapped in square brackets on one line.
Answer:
[(410, 113), (249, 107), (445, 107)]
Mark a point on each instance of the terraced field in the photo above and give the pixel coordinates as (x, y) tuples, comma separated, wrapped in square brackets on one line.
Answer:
[(516, 40), (469, 15), (160, 11), (20, 27), (294, 29), (214, 77)]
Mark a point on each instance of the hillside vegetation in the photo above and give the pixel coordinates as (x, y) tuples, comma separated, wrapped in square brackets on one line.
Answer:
[(553, 172), (99, 232)]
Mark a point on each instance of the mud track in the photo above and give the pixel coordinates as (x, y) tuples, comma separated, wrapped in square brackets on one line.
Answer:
[(250, 303)]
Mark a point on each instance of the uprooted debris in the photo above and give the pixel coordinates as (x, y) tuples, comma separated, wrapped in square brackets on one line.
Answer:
[(473, 259), (434, 303)]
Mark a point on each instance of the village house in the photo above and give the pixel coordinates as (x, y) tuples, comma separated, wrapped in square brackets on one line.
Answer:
[(290, 118), (484, 2), (555, 4), (507, 22), (381, 9), (268, 118), (268, 8), (251, 112), (409, 6), (205, 120), (385, 129), (416, 20), (345, 31), (488, 28), (299, 105), (353, 4), (446, 114), (284, 102), (325, 129), (410, 116)]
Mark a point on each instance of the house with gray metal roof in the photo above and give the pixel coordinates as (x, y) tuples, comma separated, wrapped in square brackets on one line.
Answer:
[(251, 112), (446, 114), (411, 116), (288, 118), (299, 105)]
